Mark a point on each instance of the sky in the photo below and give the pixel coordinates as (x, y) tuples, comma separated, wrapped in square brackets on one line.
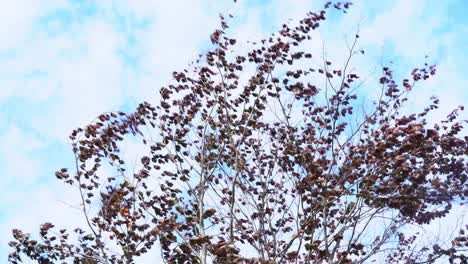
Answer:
[(63, 62)]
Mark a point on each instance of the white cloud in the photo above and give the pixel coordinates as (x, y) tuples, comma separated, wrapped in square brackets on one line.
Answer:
[(42, 205), (84, 85), (18, 157), (16, 21)]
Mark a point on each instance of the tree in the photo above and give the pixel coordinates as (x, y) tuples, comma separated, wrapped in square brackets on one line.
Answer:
[(274, 166)]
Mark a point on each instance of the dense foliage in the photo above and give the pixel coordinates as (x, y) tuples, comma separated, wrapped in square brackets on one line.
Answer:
[(265, 157)]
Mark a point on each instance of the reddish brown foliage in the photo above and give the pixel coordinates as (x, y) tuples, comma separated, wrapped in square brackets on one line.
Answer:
[(277, 165)]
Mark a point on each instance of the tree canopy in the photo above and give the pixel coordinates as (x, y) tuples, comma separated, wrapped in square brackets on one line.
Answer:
[(265, 156)]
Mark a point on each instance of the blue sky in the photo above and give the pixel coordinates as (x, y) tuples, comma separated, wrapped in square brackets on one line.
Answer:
[(63, 62)]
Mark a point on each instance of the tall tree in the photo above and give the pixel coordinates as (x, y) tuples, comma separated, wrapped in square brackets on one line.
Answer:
[(263, 157)]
